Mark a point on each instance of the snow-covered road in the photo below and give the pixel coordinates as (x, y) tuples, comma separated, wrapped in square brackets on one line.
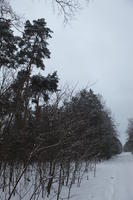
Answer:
[(113, 181)]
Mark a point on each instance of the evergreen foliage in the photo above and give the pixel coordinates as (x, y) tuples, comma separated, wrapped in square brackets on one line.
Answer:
[(41, 128), (129, 143)]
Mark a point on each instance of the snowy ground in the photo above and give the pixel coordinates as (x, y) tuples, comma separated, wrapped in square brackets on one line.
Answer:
[(113, 181)]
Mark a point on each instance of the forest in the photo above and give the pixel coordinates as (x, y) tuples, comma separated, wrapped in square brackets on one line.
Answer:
[(50, 135), (128, 147)]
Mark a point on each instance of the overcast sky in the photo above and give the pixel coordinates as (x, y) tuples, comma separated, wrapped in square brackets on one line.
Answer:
[(97, 47)]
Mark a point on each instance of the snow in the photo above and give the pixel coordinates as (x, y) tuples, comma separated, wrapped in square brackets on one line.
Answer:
[(113, 181)]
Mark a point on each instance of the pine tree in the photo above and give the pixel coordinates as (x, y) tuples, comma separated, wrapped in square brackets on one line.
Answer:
[(8, 46)]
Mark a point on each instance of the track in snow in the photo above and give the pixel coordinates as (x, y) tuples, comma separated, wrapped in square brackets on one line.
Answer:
[(113, 181)]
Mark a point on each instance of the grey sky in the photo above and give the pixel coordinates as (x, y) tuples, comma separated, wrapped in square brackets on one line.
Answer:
[(96, 47)]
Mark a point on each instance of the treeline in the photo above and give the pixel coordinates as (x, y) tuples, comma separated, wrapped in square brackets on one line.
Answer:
[(78, 128), (128, 147), (29, 119), (49, 133)]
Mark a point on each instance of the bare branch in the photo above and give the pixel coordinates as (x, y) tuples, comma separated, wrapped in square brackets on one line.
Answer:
[(8, 13), (67, 8)]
